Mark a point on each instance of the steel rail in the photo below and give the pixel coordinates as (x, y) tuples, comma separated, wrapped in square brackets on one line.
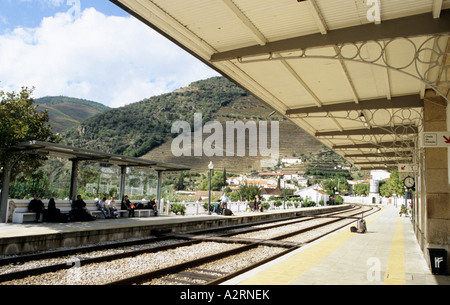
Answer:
[(162, 236), (145, 277), (191, 240)]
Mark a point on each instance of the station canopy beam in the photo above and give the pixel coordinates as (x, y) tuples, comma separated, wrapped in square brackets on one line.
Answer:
[(406, 143), (416, 25), (391, 162), (407, 101), (381, 154), (378, 168), (370, 131), (82, 154)]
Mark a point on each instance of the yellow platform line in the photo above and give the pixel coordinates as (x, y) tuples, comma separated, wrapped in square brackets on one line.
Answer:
[(395, 271), (290, 269)]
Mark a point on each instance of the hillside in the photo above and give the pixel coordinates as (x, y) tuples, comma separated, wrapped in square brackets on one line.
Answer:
[(143, 129), (137, 128), (292, 139), (67, 112)]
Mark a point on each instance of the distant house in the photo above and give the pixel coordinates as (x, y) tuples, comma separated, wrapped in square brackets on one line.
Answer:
[(302, 182), (291, 161), (260, 183), (314, 193), (234, 180), (268, 192), (204, 195)]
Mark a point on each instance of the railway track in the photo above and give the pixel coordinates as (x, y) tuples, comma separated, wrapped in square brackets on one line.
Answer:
[(207, 271), (230, 243)]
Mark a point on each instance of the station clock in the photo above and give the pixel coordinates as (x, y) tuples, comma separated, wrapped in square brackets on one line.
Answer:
[(409, 182)]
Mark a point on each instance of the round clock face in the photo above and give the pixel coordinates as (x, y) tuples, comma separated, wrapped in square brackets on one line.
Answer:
[(409, 181)]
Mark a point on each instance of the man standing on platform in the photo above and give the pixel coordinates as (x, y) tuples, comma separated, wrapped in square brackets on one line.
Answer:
[(224, 199)]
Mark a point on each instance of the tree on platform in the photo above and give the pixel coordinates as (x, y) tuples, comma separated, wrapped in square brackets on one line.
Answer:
[(21, 122)]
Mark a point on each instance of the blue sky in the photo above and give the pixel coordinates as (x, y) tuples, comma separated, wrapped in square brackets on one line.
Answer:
[(88, 49), (29, 13)]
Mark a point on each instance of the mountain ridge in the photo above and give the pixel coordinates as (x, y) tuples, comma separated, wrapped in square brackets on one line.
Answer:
[(68, 112), (144, 128)]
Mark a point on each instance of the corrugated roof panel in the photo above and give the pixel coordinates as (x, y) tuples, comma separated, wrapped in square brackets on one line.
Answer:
[(341, 13), (369, 81), (344, 13), (279, 19), (391, 9), (400, 54), (402, 84), (272, 76), (322, 124), (325, 78), (209, 21)]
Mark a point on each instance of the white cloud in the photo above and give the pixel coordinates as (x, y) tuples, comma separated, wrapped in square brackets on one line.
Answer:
[(111, 60)]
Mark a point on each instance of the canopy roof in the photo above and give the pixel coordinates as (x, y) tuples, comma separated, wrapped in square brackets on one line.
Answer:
[(81, 154), (353, 78)]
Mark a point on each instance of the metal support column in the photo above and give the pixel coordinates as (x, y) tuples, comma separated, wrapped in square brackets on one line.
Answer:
[(123, 172), (159, 187), (73, 180), (6, 176)]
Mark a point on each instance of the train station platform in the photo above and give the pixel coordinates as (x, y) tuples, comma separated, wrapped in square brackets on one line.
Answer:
[(32, 237), (387, 254)]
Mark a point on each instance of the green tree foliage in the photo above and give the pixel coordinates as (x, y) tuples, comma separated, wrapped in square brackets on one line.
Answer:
[(26, 187), (135, 129), (177, 208), (336, 184), (88, 175), (179, 184), (217, 182), (361, 189), (246, 192), (21, 122), (394, 185)]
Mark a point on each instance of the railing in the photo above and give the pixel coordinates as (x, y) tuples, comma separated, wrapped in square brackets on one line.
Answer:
[(395, 201), (197, 208)]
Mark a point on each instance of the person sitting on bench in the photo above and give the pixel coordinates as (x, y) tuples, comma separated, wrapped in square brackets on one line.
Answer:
[(36, 206)]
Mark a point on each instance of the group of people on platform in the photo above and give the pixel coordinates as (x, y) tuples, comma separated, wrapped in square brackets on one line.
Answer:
[(79, 212), (221, 204), (51, 214), (128, 205), (256, 206)]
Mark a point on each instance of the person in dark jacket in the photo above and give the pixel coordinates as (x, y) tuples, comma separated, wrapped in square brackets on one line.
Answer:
[(79, 211), (54, 214), (36, 206), (128, 205)]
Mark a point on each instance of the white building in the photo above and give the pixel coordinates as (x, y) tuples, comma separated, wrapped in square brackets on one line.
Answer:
[(302, 182), (291, 161), (314, 193), (374, 191)]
